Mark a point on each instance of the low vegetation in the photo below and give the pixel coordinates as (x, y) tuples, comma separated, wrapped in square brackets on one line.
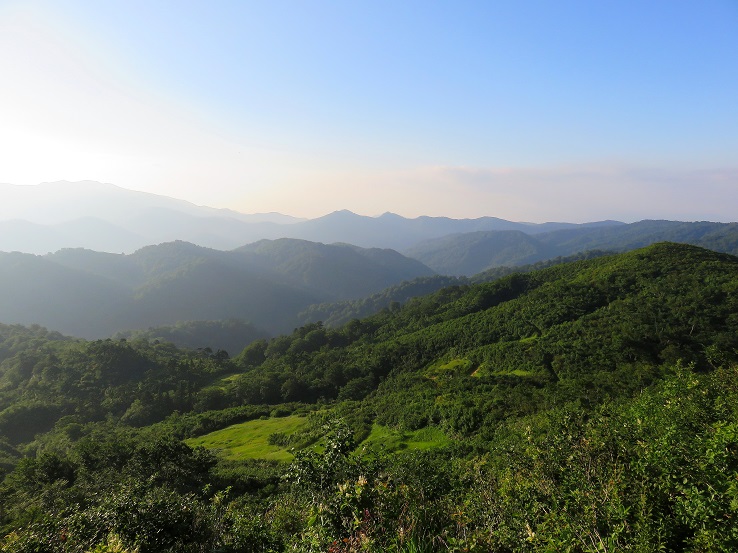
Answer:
[(586, 407), (257, 439)]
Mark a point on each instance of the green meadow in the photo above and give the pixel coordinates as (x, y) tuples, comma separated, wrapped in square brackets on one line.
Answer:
[(383, 438), (250, 440)]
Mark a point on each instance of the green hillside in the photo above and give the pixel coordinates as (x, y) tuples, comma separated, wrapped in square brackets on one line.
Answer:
[(339, 313), (227, 335), (589, 406), (96, 295), (336, 271), (253, 439), (475, 252), (471, 253)]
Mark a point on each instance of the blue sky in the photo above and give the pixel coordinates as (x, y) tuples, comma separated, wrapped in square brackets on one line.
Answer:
[(526, 110)]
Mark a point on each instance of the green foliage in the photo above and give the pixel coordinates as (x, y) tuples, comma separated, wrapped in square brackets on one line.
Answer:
[(339, 313), (257, 439), (487, 252), (231, 335), (588, 406), (636, 475), (94, 295), (387, 440), (136, 382)]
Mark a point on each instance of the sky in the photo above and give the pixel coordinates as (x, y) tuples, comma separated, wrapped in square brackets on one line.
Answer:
[(565, 110)]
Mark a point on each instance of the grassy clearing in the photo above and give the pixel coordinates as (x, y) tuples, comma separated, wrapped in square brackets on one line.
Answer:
[(393, 441), (516, 372), (250, 440), (484, 370), (453, 367), (494, 359)]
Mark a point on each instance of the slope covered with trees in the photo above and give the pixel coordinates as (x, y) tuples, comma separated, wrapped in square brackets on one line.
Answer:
[(94, 295), (336, 271), (227, 335), (589, 406), (471, 253)]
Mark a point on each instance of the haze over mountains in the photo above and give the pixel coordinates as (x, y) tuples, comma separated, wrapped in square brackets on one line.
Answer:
[(475, 252), (95, 294), (190, 265), (103, 217)]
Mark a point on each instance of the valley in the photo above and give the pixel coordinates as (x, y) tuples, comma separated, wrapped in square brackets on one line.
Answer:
[(576, 388), (368, 277)]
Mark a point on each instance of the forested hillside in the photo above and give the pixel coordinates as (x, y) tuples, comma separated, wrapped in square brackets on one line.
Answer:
[(226, 335), (95, 295), (588, 406), (336, 271), (475, 252), (338, 313)]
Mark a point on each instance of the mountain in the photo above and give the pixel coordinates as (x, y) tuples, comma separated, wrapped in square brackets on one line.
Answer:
[(589, 406), (392, 298), (471, 253), (87, 232), (617, 312), (339, 270), (229, 335), (35, 289), (50, 203), (97, 294), (50, 216), (103, 217), (339, 313), (394, 231), (715, 236), (87, 214)]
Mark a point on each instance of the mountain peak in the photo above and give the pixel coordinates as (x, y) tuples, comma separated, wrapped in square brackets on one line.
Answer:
[(387, 215), (339, 214)]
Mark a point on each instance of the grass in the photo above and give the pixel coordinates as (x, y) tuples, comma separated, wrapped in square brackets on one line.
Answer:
[(484, 370), (393, 441), (516, 372), (250, 440), (453, 367), (495, 354)]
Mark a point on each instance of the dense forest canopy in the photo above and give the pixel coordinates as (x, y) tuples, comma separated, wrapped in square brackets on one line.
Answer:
[(587, 406)]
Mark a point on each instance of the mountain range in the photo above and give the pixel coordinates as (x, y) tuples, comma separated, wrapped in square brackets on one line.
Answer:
[(214, 270), (96, 294), (51, 216), (588, 406), (475, 252)]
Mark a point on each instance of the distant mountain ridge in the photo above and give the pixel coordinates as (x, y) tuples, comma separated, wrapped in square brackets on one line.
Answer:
[(51, 203), (51, 216), (471, 253), (96, 294), (104, 217), (344, 270)]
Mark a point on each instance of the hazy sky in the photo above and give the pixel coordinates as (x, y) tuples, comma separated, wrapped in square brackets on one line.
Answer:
[(526, 110)]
